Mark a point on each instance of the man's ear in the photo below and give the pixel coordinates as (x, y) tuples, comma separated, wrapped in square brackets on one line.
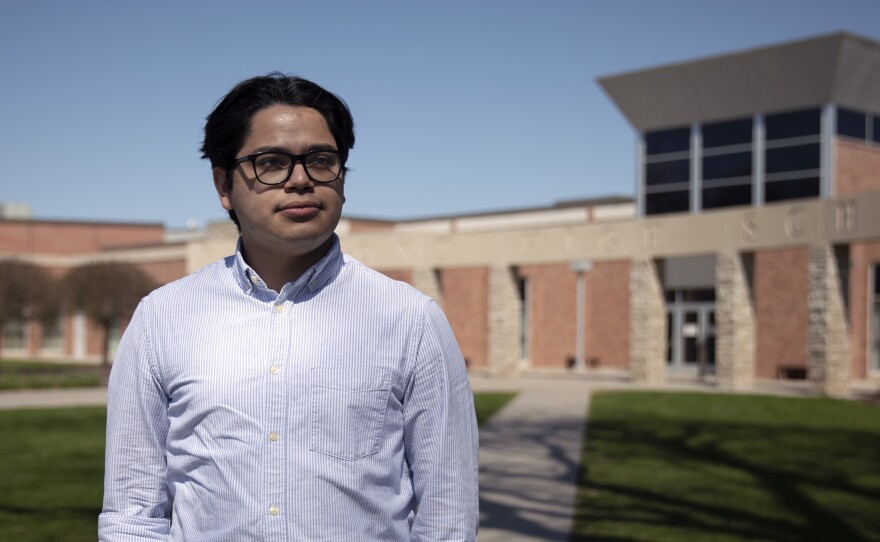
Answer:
[(224, 188)]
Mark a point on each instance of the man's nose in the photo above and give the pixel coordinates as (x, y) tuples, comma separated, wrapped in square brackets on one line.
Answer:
[(298, 177)]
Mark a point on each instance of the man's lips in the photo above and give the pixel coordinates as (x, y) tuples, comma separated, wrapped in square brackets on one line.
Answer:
[(303, 209)]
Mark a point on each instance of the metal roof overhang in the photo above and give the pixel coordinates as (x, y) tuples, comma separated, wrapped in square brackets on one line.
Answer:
[(840, 68)]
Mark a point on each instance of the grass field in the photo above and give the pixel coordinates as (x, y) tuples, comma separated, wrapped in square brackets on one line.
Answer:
[(52, 471), (701, 467), (15, 375), (51, 474)]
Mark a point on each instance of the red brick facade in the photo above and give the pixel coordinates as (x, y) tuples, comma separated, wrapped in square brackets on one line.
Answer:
[(466, 303), (781, 293), (607, 318), (552, 314), (863, 256), (40, 237), (857, 167)]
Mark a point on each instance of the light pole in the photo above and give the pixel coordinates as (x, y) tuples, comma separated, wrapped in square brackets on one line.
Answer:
[(580, 319)]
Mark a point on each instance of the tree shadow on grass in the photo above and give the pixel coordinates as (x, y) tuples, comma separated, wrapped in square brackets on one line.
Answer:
[(811, 478)]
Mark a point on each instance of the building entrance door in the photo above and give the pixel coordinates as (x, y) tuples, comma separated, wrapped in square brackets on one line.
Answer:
[(691, 344)]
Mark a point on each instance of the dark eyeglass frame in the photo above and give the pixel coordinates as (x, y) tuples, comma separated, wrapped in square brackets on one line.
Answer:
[(294, 158)]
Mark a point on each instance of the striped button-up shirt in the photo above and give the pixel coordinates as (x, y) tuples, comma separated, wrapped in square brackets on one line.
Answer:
[(337, 409)]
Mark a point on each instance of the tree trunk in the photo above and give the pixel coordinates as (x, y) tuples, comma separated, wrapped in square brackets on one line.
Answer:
[(105, 360)]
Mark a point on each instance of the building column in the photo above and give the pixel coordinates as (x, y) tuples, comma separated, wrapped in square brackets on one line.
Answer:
[(734, 323), (427, 281), (647, 323), (829, 363), (504, 320)]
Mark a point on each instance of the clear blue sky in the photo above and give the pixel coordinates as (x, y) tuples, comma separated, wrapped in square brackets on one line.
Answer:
[(459, 106)]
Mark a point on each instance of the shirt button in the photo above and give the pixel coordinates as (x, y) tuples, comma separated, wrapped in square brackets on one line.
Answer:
[(273, 436), (279, 308), (274, 510), (274, 370), (254, 279)]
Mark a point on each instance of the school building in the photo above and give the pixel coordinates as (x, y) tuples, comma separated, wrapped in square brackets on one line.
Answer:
[(751, 249)]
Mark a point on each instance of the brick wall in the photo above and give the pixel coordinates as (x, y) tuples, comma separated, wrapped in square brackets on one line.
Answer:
[(781, 288), (857, 168), (403, 275), (608, 314), (466, 304), (552, 314), (862, 257), (37, 237)]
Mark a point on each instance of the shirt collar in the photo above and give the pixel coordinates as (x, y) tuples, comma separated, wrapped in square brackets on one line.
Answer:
[(315, 277)]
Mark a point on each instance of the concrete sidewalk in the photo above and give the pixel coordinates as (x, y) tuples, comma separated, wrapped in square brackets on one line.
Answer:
[(529, 457), (53, 398)]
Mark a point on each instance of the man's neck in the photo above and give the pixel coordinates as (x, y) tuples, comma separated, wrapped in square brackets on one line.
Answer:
[(277, 269)]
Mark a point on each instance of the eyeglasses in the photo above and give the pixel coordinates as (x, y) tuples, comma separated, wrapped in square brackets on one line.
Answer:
[(273, 167)]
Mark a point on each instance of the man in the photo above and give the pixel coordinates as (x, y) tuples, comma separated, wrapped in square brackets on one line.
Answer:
[(287, 392)]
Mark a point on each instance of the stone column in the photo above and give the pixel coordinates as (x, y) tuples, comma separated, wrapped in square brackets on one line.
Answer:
[(829, 364), (734, 323), (426, 280), (504, 320), (647, 323)]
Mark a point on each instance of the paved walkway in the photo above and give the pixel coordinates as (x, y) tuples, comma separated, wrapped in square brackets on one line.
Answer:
[(53, 398), (529, 457)]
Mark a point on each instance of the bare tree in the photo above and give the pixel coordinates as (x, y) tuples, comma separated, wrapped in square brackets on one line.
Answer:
[(26, 291), (106, 292)]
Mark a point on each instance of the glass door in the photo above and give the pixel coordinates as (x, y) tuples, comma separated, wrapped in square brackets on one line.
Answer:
[(691, 335)]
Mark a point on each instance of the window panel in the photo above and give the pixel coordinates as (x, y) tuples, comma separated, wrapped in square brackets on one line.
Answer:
[(727, 165), (667, 202), (851, 123), (675, 171), (797, 158), (720, 134), (727, 196), (876, 129), (794, 124), (793, 189), (663, 141)]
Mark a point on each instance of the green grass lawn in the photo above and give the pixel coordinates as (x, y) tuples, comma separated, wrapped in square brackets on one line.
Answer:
[(705, 467), (488, 403), (52, 470), (15, 375), (51, 474)]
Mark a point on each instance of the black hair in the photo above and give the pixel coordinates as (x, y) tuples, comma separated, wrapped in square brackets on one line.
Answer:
[(228, 125)]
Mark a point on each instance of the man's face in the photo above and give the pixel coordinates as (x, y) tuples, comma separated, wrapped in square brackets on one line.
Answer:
[(293, 218)]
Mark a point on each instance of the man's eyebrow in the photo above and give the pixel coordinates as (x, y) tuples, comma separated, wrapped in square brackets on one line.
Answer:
[(311, 148)]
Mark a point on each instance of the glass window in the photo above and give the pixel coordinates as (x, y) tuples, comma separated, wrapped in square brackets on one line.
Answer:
[(663, 141), (851, 123), (52, 335), (794, 124), (667, 202), (727, 165), (720, 134), (797, 158), (675, 171), (792, 189), (876, 126), (727, 196), (15, 335)]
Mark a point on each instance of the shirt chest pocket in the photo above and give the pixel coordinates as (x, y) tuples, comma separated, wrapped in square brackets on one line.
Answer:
[(348, 411)]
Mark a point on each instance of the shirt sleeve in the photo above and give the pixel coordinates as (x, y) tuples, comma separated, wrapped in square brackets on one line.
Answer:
[(136, 502), (440, 436)]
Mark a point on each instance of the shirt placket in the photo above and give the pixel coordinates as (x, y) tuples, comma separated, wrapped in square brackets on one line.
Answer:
[(275, 439)]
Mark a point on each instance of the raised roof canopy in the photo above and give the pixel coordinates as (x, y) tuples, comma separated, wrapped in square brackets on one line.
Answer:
[(842, 68)]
